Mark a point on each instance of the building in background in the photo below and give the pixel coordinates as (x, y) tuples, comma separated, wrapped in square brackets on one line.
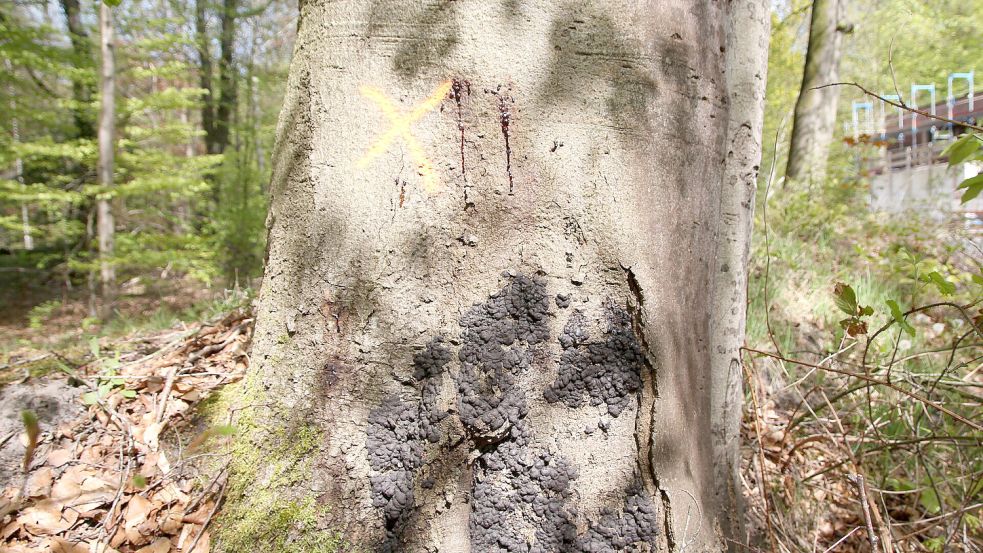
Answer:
[(909, 172)]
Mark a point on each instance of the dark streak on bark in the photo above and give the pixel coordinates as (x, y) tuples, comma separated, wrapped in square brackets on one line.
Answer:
[(458, 88), (644, 443), (667, 514), (506, 117)]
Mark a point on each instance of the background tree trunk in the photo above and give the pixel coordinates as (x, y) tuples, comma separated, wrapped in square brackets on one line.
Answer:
[(107, 128), (815, 110), (220, 104), (227, 81), (205, 73), (81, 87), (494, 332)]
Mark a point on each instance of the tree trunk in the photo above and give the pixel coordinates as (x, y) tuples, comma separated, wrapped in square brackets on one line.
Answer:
[(205, 73), (815, 109), (81, 87), (25, 211), (746, 79), (107, 128), (504, 289), (227, 81)]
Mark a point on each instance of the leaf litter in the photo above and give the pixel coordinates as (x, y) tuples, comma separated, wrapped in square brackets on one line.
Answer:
[(124, 468)]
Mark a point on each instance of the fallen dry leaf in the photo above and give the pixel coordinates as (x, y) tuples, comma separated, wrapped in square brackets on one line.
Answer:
[(45, 518), (39, 483), (59, 457), (99, 547), (160, 545), (60, 545), (151, 435), (137, 511)]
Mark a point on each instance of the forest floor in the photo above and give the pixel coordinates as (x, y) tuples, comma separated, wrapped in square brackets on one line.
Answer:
[(114, 455), (118, 463)]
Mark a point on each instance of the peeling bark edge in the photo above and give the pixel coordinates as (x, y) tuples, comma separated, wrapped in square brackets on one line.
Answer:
[(746, 60)]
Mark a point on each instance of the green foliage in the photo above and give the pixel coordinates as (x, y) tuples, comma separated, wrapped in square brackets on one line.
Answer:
[(178, 210), (899, 317), (969, 147)]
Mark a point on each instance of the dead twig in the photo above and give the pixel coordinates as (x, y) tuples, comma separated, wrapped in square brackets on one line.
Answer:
[(903, 106), (872, 380), (218, 501), (858, 481)]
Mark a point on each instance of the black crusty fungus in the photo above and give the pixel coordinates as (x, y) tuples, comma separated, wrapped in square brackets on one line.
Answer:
[(492, 356), (637, 522), (608, 371), (395, 440), (522, 499), (520, 490)]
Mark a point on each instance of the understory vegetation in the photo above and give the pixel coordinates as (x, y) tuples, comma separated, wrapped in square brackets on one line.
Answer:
[(864, 403)]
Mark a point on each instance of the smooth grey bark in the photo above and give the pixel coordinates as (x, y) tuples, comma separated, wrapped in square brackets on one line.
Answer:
[(502, 326), (105, 228), (815, 109), (25, 214), (746, 73)]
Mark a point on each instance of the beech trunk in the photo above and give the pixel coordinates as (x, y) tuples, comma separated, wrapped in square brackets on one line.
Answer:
[(815, 108), (504, 294), (105, 227)]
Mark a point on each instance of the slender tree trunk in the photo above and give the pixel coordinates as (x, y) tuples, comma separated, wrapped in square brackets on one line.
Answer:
[(746, 77), (227, 76), (25, 212), (815, 109), (82, 88), (205, 74), (183, 207), (107, 127), (533, 366)]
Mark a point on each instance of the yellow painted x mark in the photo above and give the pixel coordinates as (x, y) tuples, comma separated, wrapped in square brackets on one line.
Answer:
[(401, 128)]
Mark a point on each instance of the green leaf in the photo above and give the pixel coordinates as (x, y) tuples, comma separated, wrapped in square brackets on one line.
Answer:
[(845, 298), (972, 522), (224, 430), (961, 149), (898, 317), (129, 394), (899, 484), (973, 186), (139, 481), (934, 545), (945, 287), (866, 311), (930, 500), (112, 3), (90, 398), (33, 430), (94, 346)]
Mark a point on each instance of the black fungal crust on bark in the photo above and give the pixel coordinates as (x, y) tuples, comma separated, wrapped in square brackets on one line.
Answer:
[(522, 499), (492, 359), (396, 438), (607, 371)]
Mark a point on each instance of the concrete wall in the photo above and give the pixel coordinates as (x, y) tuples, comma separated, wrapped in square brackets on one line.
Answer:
[(930, 189)]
